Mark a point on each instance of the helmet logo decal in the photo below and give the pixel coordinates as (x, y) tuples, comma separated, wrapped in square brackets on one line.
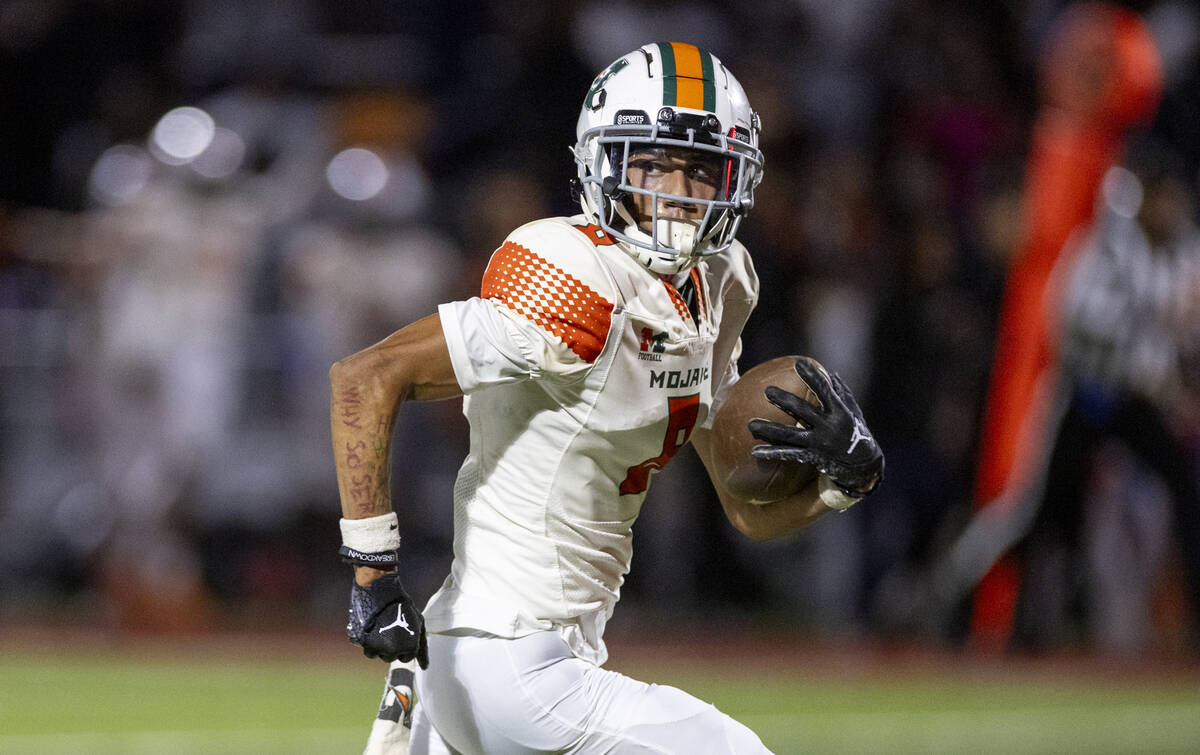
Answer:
[(595, 95), (631, 118), (687, 76)]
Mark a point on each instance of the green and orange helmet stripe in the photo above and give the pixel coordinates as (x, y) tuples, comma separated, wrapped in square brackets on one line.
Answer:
[(687, 75)]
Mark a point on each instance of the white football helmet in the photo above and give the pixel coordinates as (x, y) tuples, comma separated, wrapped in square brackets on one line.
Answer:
[(667, 94)]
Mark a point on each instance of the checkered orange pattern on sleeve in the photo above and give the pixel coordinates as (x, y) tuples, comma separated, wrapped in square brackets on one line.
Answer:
[(549, 297)]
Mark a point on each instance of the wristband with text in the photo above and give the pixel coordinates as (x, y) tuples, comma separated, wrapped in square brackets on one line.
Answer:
[(373, 541)]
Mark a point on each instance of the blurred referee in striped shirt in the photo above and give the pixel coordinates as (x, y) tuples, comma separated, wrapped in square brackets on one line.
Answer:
[(1130, 329)]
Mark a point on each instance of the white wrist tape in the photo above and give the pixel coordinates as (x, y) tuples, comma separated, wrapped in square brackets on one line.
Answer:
[(375, 534), (833, 496)]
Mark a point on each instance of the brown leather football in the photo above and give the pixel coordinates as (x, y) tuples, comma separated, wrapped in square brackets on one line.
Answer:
[(747, 477)]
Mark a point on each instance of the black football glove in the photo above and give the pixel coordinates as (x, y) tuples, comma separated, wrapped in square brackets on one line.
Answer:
[(833, 438), (386, 623)]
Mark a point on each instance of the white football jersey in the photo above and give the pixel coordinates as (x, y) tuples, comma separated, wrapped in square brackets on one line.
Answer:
[(582, 373)]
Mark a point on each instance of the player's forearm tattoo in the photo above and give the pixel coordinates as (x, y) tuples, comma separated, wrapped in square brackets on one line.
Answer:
[(350, 408), (363, 454), (381, 438), (364, 476), (361, 492)]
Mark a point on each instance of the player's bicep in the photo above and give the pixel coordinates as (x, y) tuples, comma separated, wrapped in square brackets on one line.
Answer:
[(412, 363), (430, 371)]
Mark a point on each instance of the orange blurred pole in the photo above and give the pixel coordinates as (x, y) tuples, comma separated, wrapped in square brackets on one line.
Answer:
[(1101, 76)]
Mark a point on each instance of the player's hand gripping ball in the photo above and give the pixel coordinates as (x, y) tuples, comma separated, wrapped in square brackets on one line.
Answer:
[(386, 623), (753, 479), (831, 435)]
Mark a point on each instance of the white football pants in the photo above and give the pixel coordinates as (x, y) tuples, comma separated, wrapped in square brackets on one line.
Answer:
[(494, 696)]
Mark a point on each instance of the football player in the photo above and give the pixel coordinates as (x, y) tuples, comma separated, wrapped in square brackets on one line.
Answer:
[(599, 346)]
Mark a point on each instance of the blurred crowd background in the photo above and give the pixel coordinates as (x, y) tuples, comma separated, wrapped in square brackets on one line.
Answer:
[(204, 203)]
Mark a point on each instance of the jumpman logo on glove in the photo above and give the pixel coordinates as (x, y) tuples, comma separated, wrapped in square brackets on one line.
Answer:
[(860, 433), (399, 622)]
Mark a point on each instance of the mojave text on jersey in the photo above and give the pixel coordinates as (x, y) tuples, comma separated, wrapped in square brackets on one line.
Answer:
[(678, 378)]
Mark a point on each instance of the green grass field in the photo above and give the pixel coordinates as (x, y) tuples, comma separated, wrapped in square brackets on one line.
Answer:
[(201, 699)]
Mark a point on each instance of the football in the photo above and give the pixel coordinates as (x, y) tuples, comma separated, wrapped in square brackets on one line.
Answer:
[(749, 478)]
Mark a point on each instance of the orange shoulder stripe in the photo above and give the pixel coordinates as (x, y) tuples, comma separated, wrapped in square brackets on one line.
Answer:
[(595, 234), (549, 297)]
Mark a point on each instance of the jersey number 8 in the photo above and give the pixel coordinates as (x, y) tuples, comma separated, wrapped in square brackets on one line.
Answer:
[(683, 411)]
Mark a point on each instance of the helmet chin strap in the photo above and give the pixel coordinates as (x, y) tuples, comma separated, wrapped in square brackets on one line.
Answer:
[(677, 234)]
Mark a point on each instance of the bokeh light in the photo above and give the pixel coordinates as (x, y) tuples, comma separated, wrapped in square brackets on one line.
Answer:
[(223, 156), (182, 135), (357, 173), (119, 175)]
